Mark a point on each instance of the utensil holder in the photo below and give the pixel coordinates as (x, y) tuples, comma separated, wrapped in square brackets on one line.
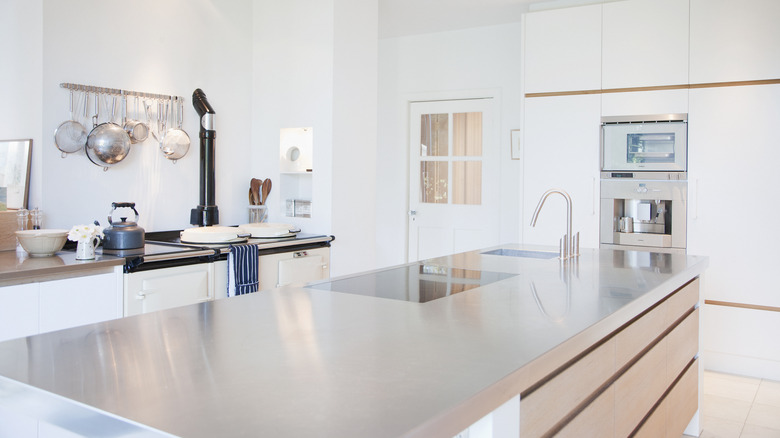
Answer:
[(258, 213)]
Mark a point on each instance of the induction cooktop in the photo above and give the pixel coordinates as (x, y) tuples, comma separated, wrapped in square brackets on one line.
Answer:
[(417, 283)]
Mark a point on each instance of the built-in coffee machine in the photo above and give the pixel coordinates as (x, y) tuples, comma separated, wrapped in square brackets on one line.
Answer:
[(644, 187)]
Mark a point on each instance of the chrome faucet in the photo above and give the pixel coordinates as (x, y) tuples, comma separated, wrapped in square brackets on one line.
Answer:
[(569, 246)]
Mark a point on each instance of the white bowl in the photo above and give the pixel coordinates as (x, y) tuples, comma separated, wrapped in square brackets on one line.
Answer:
[(42, 243)]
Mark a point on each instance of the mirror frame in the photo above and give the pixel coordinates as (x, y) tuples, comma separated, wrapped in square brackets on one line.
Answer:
[(23, 165)]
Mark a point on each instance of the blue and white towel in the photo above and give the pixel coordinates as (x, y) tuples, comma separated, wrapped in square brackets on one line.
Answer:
[(242, 270)]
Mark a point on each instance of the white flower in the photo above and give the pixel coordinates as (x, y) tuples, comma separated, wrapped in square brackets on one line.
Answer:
[(84, 233)]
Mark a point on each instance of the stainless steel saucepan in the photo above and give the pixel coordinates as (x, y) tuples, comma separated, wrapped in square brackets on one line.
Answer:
[(108, 143)]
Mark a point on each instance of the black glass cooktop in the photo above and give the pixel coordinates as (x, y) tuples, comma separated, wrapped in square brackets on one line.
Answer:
[(417, 283)]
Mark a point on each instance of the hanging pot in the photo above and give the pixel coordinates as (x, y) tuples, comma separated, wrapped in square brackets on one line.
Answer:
[(123, 234), (108, 143)]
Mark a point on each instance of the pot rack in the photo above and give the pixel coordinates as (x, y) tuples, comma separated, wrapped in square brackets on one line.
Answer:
[(117, 91), (92, 89)]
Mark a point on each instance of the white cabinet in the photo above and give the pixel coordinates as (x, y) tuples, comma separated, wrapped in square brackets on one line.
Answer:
[(645, 102), (296, 267), (33, 308), (159, 289), (733, 155), (77, 301), (18, 311), (561, 150), (734, 41), (563, 49), (733, 152), (644, 43)]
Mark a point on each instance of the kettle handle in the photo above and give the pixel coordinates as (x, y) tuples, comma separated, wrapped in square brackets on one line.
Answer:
[(115, 205)]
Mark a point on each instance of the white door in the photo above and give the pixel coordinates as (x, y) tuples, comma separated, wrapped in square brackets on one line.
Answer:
[(453, 187)]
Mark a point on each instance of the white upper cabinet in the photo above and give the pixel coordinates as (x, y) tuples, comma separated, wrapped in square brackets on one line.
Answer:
[(734, 41), (561, 150), (563, 49), (645, 43), (644, 102)]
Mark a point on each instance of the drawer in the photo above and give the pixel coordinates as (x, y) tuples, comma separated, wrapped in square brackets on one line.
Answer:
[(682, 301), (639, 388), (595, 421), (682, 344), (637, 336), (544, 407), (683, 401)]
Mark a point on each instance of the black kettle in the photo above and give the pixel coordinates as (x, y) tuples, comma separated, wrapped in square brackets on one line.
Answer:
[(124, 234)]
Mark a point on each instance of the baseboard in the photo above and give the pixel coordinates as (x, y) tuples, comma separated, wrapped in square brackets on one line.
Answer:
[(741, 341), (741, 365)]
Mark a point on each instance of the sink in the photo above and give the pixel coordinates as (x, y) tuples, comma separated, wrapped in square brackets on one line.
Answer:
[(523, 253)]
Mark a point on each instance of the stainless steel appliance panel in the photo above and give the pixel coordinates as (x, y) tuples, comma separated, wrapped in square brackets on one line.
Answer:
[(641, 145), (658, 212)]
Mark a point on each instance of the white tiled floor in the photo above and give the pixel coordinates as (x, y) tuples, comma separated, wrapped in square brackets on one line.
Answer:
[(739, 407)]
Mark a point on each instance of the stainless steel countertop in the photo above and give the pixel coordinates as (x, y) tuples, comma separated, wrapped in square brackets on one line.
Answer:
[(298, 362), (17, 268)]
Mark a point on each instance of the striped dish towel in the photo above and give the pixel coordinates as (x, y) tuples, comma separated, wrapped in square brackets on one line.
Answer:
[(242, 270)]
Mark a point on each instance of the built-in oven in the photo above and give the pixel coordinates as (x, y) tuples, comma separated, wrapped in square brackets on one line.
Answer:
[(644, 187), (649, 143)]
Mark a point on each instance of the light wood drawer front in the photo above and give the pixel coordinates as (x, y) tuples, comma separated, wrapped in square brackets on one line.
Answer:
[(547, 405), (637, 336), (595, 421), (682, 344), (655, 426), (682, 402), (638, 389), (682, 301)]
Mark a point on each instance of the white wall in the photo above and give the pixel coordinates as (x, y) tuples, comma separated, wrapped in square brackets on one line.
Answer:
[(167, 47), (315, 66), (21, 47), (456, 64)]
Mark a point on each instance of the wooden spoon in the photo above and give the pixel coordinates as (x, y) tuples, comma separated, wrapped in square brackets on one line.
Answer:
[(254, 186), (266, 190), (251, 198)]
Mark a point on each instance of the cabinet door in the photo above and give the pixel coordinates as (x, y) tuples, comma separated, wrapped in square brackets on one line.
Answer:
[(733, 156), (645, 43), (160, 289), (734, 42), (77, 301), (18, 311), (561, 151), (563, 49)]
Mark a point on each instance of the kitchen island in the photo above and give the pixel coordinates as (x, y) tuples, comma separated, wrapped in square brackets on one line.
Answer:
[(344, 358)]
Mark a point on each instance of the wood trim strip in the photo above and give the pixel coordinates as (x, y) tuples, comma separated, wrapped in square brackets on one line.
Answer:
[(742, 305), (655, 88)]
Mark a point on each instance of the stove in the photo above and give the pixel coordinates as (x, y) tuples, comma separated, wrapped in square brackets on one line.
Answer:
[(419, 282)]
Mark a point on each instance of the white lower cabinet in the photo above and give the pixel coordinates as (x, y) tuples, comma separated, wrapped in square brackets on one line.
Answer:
[(33, 308), (295, 267), (18, 311), (159, 289)]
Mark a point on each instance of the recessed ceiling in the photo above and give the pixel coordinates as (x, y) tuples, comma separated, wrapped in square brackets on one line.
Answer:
[(413, 17)]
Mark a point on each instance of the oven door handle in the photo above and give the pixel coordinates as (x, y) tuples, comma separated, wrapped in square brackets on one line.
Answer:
[(141, 294)]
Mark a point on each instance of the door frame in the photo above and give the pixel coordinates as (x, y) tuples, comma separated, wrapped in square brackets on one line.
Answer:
[(434, 96)]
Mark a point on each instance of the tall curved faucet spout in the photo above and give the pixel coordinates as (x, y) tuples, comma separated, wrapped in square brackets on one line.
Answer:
[(568, 247)]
